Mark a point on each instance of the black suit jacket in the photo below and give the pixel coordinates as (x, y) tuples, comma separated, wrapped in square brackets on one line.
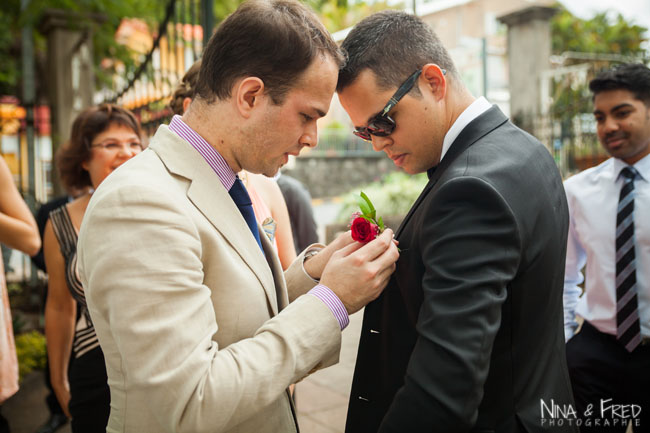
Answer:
[(468, 335)]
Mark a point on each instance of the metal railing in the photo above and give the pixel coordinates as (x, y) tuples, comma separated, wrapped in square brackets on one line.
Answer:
[(177, 44)]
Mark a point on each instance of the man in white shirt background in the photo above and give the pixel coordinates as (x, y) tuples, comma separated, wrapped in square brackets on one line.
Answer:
[(609, 359)]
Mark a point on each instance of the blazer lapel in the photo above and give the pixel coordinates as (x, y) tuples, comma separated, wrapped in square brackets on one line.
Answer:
[(476, 129), (210, 197)]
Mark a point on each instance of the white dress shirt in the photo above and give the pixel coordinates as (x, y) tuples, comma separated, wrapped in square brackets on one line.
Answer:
[(475, 109), (593, 201)]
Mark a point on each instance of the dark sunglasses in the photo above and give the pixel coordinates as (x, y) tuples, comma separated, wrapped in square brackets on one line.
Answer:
[(381, 124)]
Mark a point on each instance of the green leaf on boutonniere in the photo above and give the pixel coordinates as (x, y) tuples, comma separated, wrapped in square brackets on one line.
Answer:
[(380, 223), (372, 213), (363, 206)]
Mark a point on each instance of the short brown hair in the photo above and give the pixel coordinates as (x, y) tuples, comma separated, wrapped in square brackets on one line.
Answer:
[(393, 45), (275, 40), (88, 124), (186, 88)]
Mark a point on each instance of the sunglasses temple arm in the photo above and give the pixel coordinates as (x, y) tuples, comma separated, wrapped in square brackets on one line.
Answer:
[(391, 103), (406, 87)]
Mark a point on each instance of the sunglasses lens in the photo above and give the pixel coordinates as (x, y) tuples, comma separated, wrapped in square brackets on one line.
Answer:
[(362, 133), (381, 127)]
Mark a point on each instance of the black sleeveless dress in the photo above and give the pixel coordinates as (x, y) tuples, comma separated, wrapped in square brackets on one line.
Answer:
[(89, 391)]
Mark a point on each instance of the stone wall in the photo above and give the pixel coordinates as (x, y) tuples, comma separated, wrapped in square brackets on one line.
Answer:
[(335, 175)]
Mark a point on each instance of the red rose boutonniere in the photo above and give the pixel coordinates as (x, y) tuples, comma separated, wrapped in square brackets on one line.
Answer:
[(365, 225)]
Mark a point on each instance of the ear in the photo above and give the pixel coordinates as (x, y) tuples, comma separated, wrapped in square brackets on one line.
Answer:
[(84, 165), (248, 95), (186, 103), (435, 79)]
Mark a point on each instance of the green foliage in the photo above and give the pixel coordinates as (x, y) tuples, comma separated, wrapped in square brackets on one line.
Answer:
[(601, 34), (14, 289), (17, 322), (30, 348), (335, 14), (392, 196), (340, 14), (223, 8), (9, 47), (79, 12), (8, 62), (366, 206), (336, 125)]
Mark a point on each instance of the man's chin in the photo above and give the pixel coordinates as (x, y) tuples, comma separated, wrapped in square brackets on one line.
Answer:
[(270, 172), (620, 152), (412, 170), (630, 156)]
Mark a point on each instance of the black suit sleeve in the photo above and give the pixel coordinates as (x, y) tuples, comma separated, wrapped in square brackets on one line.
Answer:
[(470, 250)]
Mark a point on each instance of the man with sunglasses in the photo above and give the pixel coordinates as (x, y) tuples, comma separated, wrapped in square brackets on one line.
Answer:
[(468, 335)]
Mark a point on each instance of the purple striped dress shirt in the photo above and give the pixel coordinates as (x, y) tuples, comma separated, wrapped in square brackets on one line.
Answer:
[(227, 177)]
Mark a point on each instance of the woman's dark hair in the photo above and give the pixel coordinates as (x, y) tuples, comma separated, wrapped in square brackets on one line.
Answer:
[(88, 124), (186, 88), (274, 40)]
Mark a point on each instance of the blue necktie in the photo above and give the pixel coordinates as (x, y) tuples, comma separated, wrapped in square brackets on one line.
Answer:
[(243, 202), (627, 306)]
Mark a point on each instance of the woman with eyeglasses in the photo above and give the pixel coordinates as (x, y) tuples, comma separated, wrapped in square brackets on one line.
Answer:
[(103, 138)]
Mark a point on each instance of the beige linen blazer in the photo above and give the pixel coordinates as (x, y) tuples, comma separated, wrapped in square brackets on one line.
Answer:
[(194, 322)]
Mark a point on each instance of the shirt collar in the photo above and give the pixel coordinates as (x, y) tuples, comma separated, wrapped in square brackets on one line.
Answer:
[(642, 166), (476, 108), (212, 157)]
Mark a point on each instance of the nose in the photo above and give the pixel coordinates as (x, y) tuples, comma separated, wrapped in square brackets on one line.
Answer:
[(380, 143), (609, 125), (127, 151), (310, 136)]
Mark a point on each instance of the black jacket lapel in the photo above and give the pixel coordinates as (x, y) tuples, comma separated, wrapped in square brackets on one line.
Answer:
[(476, 129)]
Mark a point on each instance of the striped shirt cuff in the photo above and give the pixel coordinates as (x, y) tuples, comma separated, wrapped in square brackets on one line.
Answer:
[(333, 302)]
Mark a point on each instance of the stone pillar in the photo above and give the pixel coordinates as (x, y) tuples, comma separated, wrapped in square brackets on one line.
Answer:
[(529, 51), (70, 67)]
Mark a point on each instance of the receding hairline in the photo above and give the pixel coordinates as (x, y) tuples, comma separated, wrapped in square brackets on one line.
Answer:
[(323, 55)]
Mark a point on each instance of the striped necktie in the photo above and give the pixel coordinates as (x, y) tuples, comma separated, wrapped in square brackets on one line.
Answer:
[(627, 305), (243, 201)]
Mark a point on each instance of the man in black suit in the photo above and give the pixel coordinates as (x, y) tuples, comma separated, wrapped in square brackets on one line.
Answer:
[(468, 336)]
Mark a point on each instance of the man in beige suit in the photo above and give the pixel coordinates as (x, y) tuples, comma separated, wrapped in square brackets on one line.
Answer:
[(201, 332)]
